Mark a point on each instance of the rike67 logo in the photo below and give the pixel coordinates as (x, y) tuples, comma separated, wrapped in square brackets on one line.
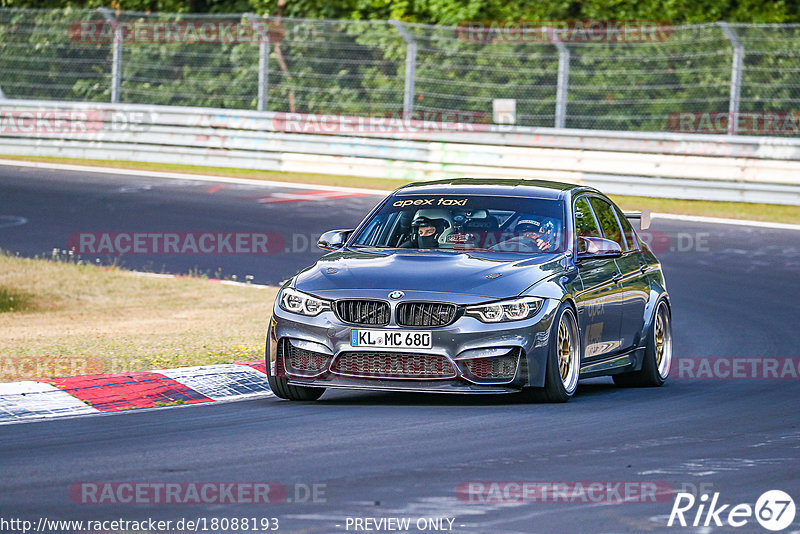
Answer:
[(774, 510)]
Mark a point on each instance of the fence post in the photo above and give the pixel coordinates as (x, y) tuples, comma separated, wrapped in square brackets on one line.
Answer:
[(562, 79), (116, 60), (263, 61), (736, 76), (411, 66)]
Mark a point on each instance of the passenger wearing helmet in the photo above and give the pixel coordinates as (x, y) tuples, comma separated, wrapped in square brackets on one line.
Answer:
[(425, 233)]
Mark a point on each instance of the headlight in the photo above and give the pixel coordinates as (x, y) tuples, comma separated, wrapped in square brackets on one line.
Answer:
[(296, 302), (506, 310)]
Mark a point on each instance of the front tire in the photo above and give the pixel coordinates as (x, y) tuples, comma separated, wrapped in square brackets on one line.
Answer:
[(563, 360), (281, 388), (657, 354)]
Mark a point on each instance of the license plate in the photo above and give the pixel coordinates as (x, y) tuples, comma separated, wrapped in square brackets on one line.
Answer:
[(393, 339)]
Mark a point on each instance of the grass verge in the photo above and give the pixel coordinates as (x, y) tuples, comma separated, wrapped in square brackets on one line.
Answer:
[(731, 210), (82, 319)]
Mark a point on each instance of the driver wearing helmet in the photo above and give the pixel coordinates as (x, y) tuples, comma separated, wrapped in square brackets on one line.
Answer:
[(425, 233)]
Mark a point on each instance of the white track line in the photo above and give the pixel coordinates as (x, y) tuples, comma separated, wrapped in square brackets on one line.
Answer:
[(186, 176), (376, 192), (224, 282), (720, 220)]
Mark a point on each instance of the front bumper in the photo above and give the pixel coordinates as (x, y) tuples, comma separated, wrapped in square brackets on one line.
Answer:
[(463, 340)]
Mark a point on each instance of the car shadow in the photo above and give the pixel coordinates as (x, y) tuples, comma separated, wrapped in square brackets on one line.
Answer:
[(587, 389)]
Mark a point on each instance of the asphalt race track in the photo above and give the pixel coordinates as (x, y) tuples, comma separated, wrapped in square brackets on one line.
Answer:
[(734, 292), (58, 205)]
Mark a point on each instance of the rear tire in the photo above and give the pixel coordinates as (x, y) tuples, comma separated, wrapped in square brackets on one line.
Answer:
[(657, 354), (563, 360)]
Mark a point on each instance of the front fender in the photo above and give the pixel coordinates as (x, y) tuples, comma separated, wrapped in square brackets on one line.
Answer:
[(658, 292)]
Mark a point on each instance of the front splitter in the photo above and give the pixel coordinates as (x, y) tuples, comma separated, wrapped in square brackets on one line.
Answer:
[(414, 386)]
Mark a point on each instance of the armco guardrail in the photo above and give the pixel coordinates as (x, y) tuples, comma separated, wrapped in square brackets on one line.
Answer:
[(689, 166)]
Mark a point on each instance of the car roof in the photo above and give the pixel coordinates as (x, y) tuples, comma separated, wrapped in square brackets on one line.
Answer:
[(494, 186)]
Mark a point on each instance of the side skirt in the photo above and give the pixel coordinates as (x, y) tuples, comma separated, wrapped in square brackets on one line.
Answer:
[(621, 363)]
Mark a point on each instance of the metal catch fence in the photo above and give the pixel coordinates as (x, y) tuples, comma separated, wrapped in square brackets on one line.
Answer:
[(708, 78)]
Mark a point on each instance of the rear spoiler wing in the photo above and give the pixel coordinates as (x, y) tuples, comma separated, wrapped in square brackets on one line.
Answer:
[(643, 216)]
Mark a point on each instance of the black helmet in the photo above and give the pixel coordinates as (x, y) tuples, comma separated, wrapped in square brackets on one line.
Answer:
[(439, 224), (422, 221)]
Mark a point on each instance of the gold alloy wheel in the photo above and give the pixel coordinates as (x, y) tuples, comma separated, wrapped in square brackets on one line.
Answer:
[(568, 364), (659, 340), (564, 352), (663, 341)]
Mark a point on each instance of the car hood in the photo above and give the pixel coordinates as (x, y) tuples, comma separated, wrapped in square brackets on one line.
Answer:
[(492, 275)]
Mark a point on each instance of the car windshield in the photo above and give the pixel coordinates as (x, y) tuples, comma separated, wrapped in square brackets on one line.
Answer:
[(466, 222)]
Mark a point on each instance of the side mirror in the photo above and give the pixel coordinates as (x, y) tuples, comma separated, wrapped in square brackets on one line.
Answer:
[(595, 247), (334, 239)]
